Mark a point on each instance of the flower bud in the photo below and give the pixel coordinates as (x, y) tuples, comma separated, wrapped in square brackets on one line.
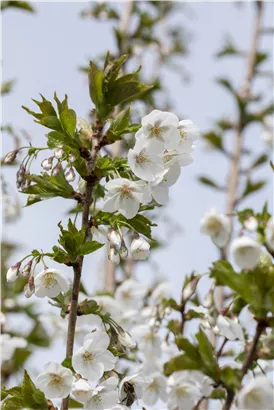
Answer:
[(56, 170), (59, 153), (72, 158), (29, 288), (20, 175), (13, 272), (251, 224), (139, 249), (47, 164), (26, 182), (189, 289), (10, 157), (70, 175), (114, 256), (27, 268), (123, 250), (125, 339), (114, 238), (81, 390)]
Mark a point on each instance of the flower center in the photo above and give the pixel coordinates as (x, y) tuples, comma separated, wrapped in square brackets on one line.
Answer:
[(97, 398), (183, 134), (214, 225), (87, 356), (156, 131), (182, 391), (49, 280), (141, 158), (126, 191), (168, 156), (55, 379)]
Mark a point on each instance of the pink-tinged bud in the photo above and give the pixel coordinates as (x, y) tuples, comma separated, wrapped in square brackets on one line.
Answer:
[(190, 288), (26, 182), (114, 238), (56, 170), (114, 256), (20, 175), (70, 175), (47, 164), (72, 158), (123, 250), (29, 288), (59, 153), (10, 157), (27, 268), (13, 272)]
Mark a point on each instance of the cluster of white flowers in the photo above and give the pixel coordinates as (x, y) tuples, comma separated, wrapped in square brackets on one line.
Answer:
[(163, 145)]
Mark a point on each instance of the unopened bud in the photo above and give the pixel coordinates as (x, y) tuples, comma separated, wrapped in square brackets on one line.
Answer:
[(59, 153), (209, 300), (56, 170), (114, 238), (190, 288), (70, 175), (72, 158), (13, 272), (123, 250), (20, 175), (29, 288), (26, 182), (27, 268), (114, 256), (125, 339), (10, 157), (47, 164), (251, 224)]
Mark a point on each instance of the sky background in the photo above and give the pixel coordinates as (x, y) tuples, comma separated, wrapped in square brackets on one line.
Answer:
[(43, 52)]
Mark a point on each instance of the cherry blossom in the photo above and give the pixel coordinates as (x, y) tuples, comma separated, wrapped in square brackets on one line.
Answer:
[(183, 394), (145, 159), (217, 226), (229, 328), (139, 249), (156, 390), (246, 252), (81, 390), (55, 381), (50, 282), (257, 394)]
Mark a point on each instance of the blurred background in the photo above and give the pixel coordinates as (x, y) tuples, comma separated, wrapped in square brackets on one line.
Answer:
[(47, 50)]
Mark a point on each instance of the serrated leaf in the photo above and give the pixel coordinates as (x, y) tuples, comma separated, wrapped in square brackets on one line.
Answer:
[(96, 78), (207, 353), (252, 187), (32, 397), (181, 362), (68, 120), (209, 182), (67, 363), (89, 247)]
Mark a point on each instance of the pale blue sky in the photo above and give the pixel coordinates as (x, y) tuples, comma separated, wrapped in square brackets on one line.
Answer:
[(44, 51)]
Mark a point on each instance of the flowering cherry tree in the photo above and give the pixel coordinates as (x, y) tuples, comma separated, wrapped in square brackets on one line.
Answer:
[(130, 348)]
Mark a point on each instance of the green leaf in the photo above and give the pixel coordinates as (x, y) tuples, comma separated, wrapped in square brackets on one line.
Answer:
[(68, 120), (231, 377), (214, 139), (12, 403), (23, 5), (89, 247), (51, 122), (73, 404), (252, 187), (32, 397), (207, 354), (38, 336), (96, 78), (209, 182), (229, 49), (120, 124), (218, 394), (185, 345), (181, 362), (260, 160)]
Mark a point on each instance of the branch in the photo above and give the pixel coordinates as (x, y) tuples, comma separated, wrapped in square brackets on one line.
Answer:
[(90, 157)]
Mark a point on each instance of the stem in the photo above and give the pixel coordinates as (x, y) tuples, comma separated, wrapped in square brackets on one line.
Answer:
[(250, 357), (90, 157)]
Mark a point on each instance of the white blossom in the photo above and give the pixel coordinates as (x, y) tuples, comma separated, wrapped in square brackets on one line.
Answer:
[(251, 224), (59, 153), (174, 156), (159, 188), (81, 390), (156, 390), (47, 164), (139, 249), (183, 394), (130, 293), (104, 396), (145, 159), (148, 341), (9, 344), (160, 126), (124, 196), (257, 394), (136, 381), (50, 282), (55, 381), (217, 226), (85, 127), (189, 133), (114, 238), (160, 292), (246, 252), (269, 234), (229, 328), (114, 256), (93, 358), (70, 175)]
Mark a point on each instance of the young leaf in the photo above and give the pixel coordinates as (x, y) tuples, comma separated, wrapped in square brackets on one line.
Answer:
[(89, 247), (96, 78)]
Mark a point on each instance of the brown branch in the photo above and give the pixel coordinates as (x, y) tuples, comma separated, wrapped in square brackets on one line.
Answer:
[(90, 157)]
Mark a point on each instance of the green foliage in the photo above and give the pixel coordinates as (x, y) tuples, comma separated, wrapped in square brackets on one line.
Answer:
[(252, 187), (7, 85), (68, 364), (47, 187), (107, 89), (195, 357), (214, 139), (73, 242), (88, 307), (106, 166), (139, 223), (229, 49), (209, 182), (122, 125), (24, 396), (64, 128), (22, 5)]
